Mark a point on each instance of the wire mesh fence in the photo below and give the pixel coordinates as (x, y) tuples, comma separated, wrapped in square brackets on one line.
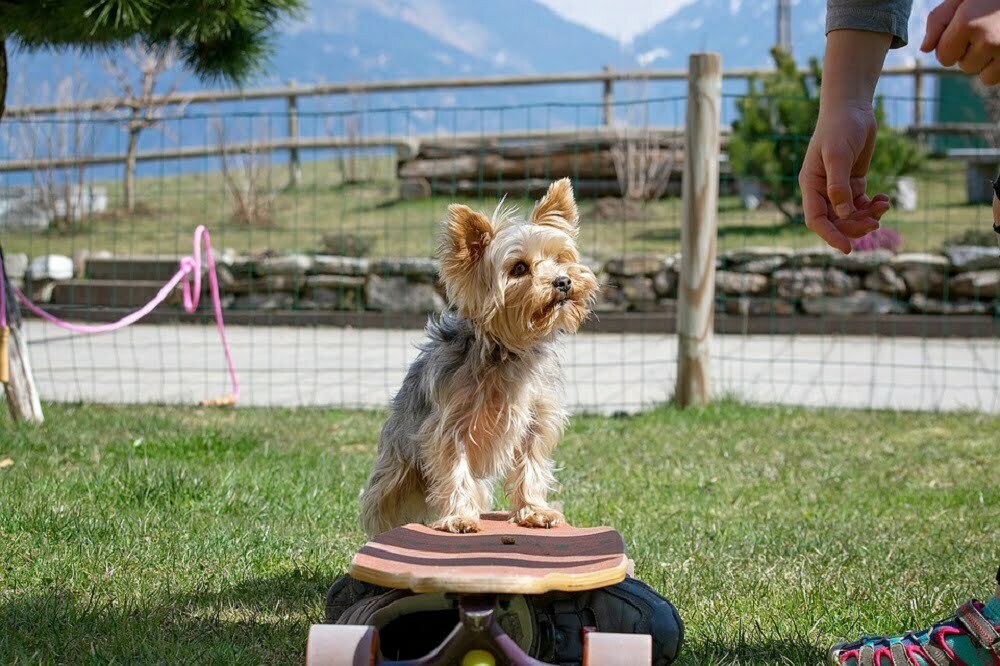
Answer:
[(325, 225)]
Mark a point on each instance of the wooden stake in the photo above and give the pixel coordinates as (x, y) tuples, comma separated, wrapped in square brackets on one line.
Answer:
[(19, 386), (4, 359), (696, 291), (22, 396)]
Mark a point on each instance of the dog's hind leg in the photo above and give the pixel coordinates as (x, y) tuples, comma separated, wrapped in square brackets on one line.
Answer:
[(393, 496)]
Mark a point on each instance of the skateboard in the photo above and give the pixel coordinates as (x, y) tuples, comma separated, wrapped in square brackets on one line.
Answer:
[(501, 559)]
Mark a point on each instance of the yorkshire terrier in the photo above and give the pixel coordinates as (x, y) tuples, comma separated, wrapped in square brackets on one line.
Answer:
[(482, 400)]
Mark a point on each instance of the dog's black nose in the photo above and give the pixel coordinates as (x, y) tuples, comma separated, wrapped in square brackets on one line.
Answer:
[(562, 283)]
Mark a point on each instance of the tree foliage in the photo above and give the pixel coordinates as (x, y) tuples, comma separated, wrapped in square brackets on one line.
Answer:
[(227, 39), (777, 116)]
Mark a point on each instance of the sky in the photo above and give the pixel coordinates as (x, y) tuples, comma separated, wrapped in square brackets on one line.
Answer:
[(618, 19)]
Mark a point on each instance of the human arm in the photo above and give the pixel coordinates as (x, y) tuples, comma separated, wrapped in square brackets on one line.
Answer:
[(834, 199)]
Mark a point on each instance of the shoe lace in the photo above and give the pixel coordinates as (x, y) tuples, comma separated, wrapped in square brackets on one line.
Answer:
[(914, 643)]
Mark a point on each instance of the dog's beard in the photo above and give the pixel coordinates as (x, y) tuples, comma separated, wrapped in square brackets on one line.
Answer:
[(521, 326), (566, 314), (551, 314)]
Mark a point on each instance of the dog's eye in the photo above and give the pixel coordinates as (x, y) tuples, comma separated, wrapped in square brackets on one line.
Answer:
[(519, 269)]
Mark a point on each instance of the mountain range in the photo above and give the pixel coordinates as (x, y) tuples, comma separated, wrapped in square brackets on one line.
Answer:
[(347, 40), (364, 40)]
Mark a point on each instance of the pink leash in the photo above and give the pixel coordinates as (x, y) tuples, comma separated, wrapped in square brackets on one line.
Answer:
[(188, 276)]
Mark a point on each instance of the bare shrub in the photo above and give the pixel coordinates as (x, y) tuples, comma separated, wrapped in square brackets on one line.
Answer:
[(246, 171), (349, 125), (643, 166), (59, 146), (137, 80)]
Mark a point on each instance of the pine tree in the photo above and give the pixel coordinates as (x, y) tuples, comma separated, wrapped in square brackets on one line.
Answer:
[(216, 39)]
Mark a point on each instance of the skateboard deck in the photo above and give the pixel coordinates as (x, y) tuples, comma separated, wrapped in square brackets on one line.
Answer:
[(502, 558)]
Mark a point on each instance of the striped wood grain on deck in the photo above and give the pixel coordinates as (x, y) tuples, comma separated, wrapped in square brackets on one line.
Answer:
[(565, 558)]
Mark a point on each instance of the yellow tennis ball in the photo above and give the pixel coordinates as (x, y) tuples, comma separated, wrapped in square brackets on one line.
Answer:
[(478, 658)]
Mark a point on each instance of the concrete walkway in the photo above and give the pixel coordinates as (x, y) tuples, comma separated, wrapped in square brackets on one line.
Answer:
[(605, 373)]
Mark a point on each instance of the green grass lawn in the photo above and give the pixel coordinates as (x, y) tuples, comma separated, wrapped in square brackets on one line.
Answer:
[(171, 206), (137, 535)]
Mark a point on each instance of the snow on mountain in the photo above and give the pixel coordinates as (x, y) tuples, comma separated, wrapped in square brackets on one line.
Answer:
[(347, 40)]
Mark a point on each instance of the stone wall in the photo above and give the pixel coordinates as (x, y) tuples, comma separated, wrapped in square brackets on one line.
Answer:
[(764, 281), (761, 281), (332, 283), (752, 281)]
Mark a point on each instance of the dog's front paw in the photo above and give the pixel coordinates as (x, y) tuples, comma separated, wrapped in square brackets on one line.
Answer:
[(458, 524), (538, 516)]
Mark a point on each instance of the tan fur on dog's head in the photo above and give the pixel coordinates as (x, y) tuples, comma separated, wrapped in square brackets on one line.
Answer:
[(508, 275)]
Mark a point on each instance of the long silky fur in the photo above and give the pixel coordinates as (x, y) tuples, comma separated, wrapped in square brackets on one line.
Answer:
[(482, 400)]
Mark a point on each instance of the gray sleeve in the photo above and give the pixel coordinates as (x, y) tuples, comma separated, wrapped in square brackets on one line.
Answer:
[(889, 16)]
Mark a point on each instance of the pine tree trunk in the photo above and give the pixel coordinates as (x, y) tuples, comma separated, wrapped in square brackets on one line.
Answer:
[(133, 144), (22, 397)]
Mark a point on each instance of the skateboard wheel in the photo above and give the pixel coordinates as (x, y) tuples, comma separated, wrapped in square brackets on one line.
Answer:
[(478, 658), (341, 645), (601, 649)]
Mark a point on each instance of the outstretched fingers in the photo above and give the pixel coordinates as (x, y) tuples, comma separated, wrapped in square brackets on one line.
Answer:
[(855, 229), (816, 210), (866, 218), (838, 232)]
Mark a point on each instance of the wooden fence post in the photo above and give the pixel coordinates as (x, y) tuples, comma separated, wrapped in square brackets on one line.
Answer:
[(918, 98), (22, 396), (608, 98), (294, 166), (700, 205)]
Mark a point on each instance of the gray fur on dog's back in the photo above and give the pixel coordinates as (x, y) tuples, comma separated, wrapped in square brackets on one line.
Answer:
[(449, 339)]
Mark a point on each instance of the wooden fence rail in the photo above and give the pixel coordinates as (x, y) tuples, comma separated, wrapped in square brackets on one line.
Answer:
[(405, 146), (292, 93)]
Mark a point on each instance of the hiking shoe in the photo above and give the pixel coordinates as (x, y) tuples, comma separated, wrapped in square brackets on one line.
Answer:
[(344, 593), (630, 607), (970, 637)]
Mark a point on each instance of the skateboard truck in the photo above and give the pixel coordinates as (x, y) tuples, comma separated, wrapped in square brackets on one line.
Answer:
[(476, 569), (477, 629), (476, 632)]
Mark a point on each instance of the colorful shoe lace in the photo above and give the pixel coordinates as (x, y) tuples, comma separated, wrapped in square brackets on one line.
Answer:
[(967, 639)]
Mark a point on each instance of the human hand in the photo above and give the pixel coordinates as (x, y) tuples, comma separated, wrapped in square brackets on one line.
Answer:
[(966, 32), (833, 175)]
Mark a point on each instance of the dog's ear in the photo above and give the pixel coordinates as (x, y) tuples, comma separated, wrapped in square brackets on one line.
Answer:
[(558, 208), (467, 234)]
